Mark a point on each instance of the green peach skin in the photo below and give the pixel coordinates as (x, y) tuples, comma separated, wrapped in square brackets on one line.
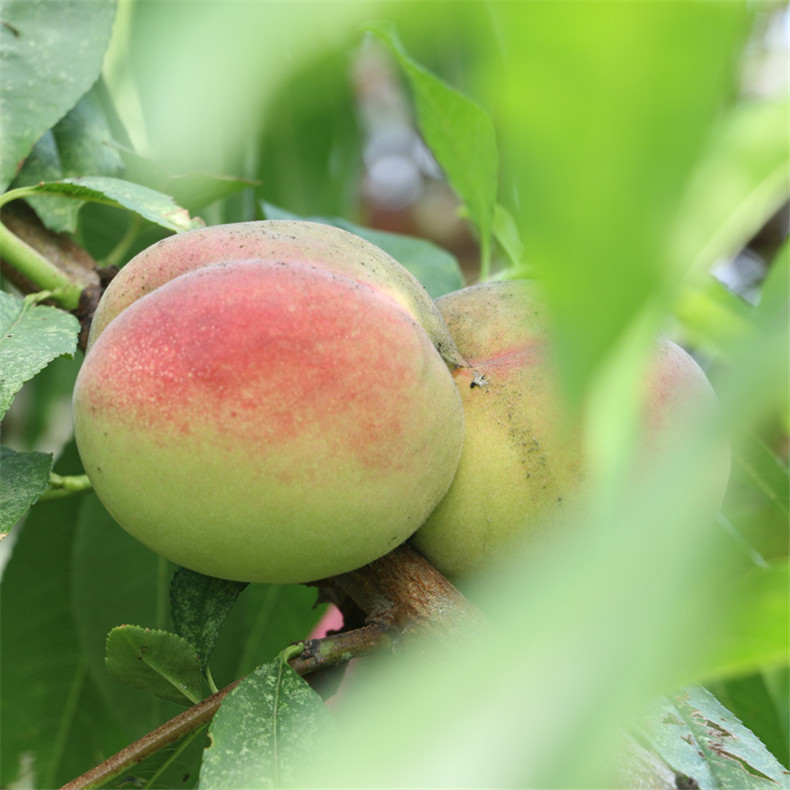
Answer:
[(522, 468), (308, 243), (267, 422)]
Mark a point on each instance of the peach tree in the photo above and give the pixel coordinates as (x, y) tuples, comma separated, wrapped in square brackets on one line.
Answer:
[(393, 395)]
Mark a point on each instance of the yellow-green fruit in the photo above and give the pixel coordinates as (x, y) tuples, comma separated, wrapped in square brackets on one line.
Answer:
[(251, 414), (522, 467)]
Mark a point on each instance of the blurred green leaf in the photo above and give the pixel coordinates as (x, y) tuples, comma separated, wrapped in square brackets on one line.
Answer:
[(459, 133), (61, 726), (148, 203), (24, 478), (267, 732), (434, 267), (77, 145), (159, 662), (51, 53), (766, 470), (738, 185), (509, 239), (199, 605), (755, 632), (704, 743), (600, 132), (31, 336), (713, 317), (309, 148), (193, 191)]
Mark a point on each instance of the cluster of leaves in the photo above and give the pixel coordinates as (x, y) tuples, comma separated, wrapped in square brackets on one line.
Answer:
[(595, 166)]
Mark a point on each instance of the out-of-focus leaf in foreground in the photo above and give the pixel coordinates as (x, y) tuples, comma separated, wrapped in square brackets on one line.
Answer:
[(640, 595), (740, 182), (600, 131)]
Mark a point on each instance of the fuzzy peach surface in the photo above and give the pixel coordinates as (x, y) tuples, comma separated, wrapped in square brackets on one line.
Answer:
[(270, 422), (523, 470)]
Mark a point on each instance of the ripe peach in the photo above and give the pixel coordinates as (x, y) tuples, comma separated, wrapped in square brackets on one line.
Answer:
[(310, 243), (265, 420), (523, 465)]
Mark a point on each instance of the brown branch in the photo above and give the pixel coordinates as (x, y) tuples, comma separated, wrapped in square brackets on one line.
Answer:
[(61, 251), (402, 594)]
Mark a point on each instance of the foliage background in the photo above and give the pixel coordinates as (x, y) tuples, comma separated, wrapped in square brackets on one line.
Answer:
[(635, 150)]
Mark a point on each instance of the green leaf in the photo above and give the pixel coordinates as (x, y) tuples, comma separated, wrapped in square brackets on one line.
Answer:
[(56, 726), (193, 190), (459, 133), (739, 184), (156, 661), (24, 478), (268, 731), (31, 336), (756, 630), (713, 317), (600, 155), (105, 557), (702, 741), (266, 617), (77, 144), (434, 267), (199, 605), (509, 239), (766, 471), (755, 703), (50, 54), (148, 203)]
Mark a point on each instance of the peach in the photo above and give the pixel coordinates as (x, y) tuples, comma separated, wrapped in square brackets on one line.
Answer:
[(264, 420), (310, 243), (522, 467)]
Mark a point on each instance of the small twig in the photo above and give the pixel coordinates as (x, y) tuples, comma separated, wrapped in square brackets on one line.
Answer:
[(169, 732), (34, 258), (401, 593), (405, 590), (316, 654), (64, 486)]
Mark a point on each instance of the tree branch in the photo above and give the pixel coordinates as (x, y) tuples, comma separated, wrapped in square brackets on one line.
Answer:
[(64, 263), (402, 594)]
